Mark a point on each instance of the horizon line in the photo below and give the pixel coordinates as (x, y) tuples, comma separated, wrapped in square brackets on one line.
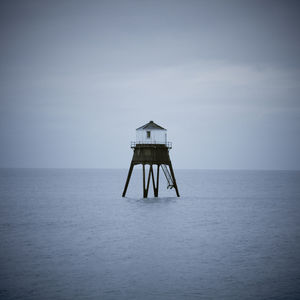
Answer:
[(124, 168)]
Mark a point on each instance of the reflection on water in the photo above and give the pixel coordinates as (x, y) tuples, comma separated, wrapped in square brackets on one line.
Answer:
[(152, 200)]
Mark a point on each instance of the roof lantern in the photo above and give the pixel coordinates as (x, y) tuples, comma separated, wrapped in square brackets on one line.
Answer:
[(151, 133)]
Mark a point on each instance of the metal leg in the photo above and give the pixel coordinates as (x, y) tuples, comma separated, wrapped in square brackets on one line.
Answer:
[(144, 185), (128, 179), (157, 182), (174, 180), (153, 181), (148, 180)]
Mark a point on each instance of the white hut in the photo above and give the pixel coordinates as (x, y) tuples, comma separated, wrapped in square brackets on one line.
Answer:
[(151, 133)]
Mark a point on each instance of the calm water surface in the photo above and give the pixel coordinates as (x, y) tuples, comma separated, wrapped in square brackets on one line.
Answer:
[(68, 234)]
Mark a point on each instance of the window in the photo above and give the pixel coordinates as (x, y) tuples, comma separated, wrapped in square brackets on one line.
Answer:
[(148, 134)]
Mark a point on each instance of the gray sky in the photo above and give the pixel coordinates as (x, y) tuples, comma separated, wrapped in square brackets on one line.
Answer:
[(78, 77)]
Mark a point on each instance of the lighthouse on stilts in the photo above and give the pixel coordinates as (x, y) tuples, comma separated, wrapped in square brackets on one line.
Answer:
[(152, 148)]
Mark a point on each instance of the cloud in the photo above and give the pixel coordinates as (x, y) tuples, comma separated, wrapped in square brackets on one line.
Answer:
[(224, 75)]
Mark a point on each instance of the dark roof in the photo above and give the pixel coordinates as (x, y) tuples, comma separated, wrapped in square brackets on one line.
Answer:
[(151, 125)]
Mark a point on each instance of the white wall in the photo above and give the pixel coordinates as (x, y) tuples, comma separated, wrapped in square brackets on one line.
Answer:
[(156, 136)]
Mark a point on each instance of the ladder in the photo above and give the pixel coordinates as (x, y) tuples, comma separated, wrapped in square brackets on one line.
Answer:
[(168, 176)]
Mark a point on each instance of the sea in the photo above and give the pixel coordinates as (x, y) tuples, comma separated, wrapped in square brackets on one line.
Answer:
[(69, 234)]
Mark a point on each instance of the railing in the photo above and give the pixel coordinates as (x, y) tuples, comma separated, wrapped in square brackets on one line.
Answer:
[(167, 144)]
